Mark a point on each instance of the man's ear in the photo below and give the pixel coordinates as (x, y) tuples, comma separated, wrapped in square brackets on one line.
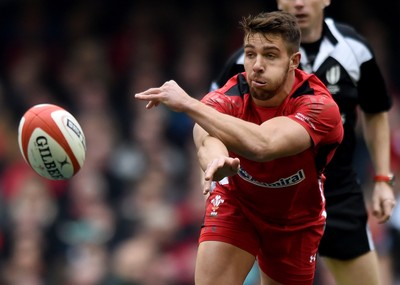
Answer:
[(295, 60), (327, 3)]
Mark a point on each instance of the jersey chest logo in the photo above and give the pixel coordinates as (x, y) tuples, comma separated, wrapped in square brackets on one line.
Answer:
[(283, 182), (332, 76)]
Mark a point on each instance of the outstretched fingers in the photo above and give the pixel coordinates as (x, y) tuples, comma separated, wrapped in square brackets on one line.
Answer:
[(152, 95), (209, 173), (217, 169), (170, 94)]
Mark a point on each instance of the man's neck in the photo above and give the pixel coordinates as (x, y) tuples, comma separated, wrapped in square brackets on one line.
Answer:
[(311, 35)]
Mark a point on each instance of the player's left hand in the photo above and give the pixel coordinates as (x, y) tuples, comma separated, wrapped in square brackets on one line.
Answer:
[(383, 201), (219, 168), (170, 94)]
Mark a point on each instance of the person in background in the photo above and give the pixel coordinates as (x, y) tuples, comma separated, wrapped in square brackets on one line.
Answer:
[(345, 63), (266, 137)]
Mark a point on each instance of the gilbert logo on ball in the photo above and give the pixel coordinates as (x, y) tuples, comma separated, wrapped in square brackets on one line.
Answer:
[(52, 141)]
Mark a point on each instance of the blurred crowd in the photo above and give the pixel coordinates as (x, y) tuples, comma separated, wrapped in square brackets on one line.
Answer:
[(132, 215)]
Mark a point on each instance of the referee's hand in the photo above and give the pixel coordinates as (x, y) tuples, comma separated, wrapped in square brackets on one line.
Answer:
[(383, 201)]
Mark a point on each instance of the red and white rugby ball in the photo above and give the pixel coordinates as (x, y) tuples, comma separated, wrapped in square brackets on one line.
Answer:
[(52, 141)]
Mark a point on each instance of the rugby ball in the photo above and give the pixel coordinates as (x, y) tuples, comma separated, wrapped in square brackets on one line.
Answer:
[(52, 141)]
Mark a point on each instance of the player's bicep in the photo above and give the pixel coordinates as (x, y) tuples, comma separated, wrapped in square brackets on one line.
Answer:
[(286, 137)]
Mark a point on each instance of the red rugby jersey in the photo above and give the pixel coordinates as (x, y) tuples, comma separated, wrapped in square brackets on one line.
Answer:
[(287, 190)]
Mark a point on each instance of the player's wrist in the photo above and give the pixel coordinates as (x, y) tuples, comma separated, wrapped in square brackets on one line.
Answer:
[(387, 178)]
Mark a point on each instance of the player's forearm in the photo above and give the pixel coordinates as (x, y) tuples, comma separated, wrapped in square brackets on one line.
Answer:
[(377, 137), (207, 147), (210, 149)]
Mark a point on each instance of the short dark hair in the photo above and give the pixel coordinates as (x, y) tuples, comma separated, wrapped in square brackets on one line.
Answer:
[(276, 23)]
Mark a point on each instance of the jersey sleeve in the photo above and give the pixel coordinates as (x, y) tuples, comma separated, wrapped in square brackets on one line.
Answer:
[(372, 91), (373, 96), (221, 103), (320, 116)]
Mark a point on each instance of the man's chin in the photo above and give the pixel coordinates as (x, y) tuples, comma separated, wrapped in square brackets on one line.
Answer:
[(261, 95)]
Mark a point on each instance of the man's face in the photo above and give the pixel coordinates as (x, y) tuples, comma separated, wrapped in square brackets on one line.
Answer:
[(309, 13), (266, 64)]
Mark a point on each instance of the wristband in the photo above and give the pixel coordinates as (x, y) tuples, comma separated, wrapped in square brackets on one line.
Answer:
[(389, 179)]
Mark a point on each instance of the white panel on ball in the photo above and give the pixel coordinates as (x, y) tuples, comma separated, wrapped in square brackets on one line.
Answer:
[(48, 158), (72, 132)]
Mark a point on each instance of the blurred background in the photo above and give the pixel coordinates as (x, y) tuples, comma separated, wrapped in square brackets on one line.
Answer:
[(132, 215)]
